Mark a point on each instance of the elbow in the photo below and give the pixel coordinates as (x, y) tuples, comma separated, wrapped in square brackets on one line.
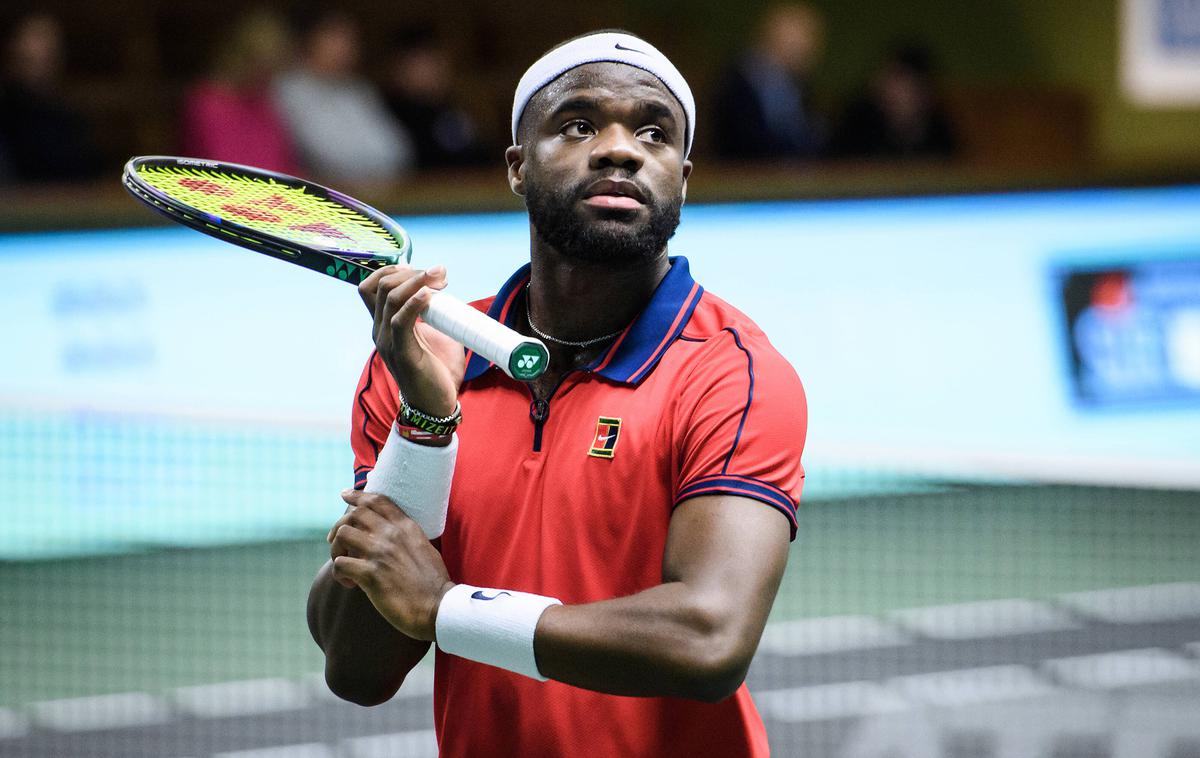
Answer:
[(717, 677), (715, 663), (358, 690)]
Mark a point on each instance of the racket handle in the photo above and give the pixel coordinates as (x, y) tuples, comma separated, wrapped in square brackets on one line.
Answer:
[(523, 358)]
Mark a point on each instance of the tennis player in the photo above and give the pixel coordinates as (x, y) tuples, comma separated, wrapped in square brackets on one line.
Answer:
[(607, 541)]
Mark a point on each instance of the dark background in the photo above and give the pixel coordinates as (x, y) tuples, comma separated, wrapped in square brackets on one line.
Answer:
[(1032, 89)]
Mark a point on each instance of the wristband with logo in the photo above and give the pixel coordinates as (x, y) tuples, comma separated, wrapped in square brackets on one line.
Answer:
[(492, 626), (416, 419), (420, 436)]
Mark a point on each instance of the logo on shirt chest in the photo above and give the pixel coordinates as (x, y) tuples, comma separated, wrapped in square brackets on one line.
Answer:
[(608, 431)]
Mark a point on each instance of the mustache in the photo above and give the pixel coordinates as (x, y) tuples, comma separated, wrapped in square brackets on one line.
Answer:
[(579, 190)]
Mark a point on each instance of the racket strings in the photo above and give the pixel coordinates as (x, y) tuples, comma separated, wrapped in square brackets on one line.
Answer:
[(268, 206), (192, 220)]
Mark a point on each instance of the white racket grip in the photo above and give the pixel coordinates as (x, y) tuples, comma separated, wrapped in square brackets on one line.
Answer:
[(523, 358)]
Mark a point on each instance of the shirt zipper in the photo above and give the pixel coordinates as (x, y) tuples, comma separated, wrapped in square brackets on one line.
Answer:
[(539, 410)]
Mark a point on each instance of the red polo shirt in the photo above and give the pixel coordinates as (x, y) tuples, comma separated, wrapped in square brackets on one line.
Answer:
[(573, 499)]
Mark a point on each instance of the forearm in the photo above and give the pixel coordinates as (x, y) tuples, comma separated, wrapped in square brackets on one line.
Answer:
[(693, 635), (366, 658), (664, 641)]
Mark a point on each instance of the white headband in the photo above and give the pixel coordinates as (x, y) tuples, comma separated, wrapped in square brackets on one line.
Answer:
[(605, 47)]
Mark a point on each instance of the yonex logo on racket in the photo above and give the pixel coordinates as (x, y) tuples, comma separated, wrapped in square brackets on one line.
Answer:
[(344, 271), (527, 361)]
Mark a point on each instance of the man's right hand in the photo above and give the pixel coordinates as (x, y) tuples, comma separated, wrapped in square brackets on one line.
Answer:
[(427, 365)]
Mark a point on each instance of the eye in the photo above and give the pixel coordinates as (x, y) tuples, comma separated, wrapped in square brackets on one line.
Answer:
[(652, 134), (577, 128)]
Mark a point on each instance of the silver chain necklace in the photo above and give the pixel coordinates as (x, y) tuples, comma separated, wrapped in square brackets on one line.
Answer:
[(556, 340)]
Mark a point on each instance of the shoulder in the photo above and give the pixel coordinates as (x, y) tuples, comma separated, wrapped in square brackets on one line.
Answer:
[(713, 315), (724, 360), (288, 80), (723, 334), (360, 91), (296, 84)]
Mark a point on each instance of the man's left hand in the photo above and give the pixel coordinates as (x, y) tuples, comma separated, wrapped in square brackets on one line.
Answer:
[(376, 547)]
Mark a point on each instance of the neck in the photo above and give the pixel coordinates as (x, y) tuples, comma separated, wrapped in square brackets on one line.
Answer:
[(581, 300)]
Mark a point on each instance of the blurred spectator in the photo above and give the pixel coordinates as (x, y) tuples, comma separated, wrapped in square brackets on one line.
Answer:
[(5, 164), (901, 115), (418, 89), (42, 139), (340, 123), (231, 116), (764, 102)]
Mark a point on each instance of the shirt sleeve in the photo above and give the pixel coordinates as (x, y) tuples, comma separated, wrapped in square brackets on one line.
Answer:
[(376, 404), (742, 425)]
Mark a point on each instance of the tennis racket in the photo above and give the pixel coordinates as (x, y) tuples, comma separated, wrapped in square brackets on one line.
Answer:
[(318, 228)]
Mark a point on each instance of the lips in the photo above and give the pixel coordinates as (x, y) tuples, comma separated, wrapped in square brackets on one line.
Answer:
[(615, 193)]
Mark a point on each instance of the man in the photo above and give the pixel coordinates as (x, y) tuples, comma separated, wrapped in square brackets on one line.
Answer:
[(43, 138), (617, 527), (764, 101), (419, 90), (337, 118)]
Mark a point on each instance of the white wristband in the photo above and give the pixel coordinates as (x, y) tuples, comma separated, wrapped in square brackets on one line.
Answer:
[(416, 478), (492, 626)]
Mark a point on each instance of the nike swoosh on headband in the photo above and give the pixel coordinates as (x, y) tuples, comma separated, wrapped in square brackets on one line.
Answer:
[(619, 46)]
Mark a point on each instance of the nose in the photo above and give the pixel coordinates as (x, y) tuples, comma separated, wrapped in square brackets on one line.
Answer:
[(616, 146)]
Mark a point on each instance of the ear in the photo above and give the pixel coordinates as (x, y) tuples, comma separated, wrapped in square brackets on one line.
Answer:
[(687, 171), (514, 156)]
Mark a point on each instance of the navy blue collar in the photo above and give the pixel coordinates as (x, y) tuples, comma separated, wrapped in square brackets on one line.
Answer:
[(640, 347)]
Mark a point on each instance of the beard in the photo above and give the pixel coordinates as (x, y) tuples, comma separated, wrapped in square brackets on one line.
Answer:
[(613, 238)]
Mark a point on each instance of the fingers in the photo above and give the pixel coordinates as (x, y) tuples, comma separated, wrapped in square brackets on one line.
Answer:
[(384, 280), (364, 517), (351, 571), (405, 319), (381, 507), (421, 373), (369, 512), (400, 293), (348, 540), (396, 284), (392, 562), (435, 277), (356, 498), (388, 284), (368, 287)]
